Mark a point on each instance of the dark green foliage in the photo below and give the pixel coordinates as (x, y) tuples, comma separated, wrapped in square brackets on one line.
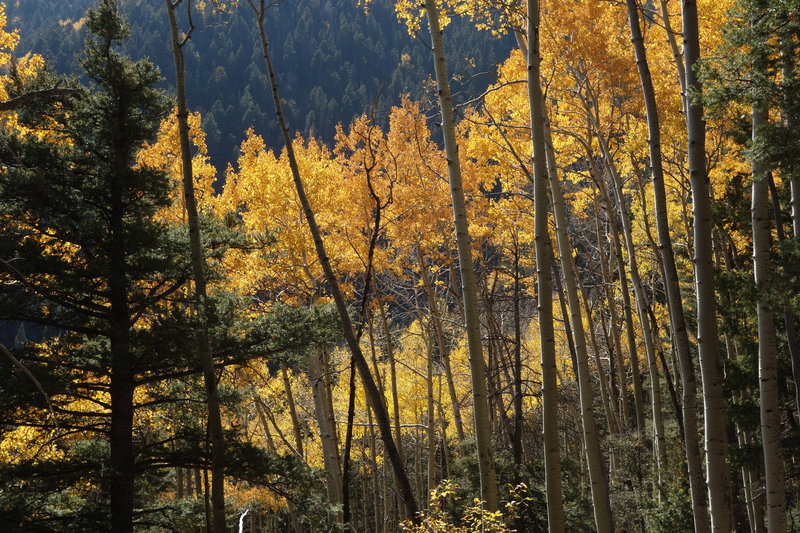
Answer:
[(334, 61)]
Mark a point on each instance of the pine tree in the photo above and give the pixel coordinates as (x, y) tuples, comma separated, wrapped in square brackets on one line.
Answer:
[(85, 254)]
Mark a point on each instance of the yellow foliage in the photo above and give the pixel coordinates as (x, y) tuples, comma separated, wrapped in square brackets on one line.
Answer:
[(165, 154)]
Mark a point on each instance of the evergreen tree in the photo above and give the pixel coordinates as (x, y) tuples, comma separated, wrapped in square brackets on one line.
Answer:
[(88, 256)]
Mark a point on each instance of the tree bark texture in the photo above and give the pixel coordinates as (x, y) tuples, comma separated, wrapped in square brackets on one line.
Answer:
[(552, 454), (716, 441), (774, 470)]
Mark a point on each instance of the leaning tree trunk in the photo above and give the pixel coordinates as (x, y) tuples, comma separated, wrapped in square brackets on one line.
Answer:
[(469, 285), (376, 400), (552, 455), (198, 265)]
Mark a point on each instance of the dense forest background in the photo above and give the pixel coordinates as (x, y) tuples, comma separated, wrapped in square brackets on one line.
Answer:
[(335, 61)]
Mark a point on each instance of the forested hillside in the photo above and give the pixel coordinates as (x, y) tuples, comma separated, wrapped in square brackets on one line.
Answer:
[(335, 61), (286, 268)]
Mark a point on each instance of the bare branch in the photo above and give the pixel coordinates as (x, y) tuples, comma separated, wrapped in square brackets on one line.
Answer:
[(23, 99), (32, 378)]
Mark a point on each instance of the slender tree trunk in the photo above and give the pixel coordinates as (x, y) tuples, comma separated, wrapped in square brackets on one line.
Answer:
[(615, 348), (788, 316), (519, 416), (198, 265), (616, 247), (611, 416), (677, 56), (431, 416), (298, 431), (552, 454), (373, 394), (774, 470), (469, 285), (642, 306), (393, 378), (598, 478), (327, 430), (671, 281), (444, 350), (716, 441), (751, 485)]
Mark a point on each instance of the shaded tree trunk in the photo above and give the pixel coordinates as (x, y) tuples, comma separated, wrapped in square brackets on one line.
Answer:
[(552, 454), (671, 281), (774, 470), (205, 354), (598, 477)]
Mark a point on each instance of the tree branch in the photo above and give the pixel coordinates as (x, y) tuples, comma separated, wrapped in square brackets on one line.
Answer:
[(21, 100)]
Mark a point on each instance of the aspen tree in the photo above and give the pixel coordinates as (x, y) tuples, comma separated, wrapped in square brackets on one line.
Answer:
[(444, 350), (469, 285), (552, 455), (377, 402), (671, 284), (774, 469), (642, 306), (715, 430), (598, 477)]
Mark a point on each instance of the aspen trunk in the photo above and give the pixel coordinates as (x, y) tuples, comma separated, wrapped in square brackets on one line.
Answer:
[(327, 430), (616, 247), (468, 282), (611, 416), (392, 378), (677, 56), (376, 503), (519, 416), (552, 454), (716, 441), (444, 350), (774, 470), (198, 265), (615, 348), (671, 283), (298, 431), (750, 483), (598, 478), (642, 307), (431, 433)]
